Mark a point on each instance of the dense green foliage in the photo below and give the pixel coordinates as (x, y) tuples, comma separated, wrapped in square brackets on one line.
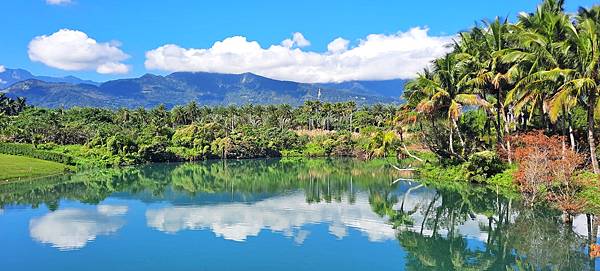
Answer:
[(483, 165), (541, 72), (30, 151), (10, 106), (513, 88), (185, 133)]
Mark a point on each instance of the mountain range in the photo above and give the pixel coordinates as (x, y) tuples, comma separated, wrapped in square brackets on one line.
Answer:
[(182, 87), (11, 76)]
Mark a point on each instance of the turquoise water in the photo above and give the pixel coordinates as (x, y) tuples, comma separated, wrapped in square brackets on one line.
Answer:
[(277, 215)]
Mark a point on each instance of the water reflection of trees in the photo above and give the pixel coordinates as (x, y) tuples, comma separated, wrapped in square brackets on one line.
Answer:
[(322, 179), (430, 223), (543, 240), (517, 239)]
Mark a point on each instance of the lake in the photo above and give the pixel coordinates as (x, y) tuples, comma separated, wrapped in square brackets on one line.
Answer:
[(288, 214)]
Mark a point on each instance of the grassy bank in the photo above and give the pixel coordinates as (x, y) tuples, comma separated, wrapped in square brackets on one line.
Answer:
[(16, 167)]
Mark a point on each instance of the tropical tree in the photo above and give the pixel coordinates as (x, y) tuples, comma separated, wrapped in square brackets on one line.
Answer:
[(443, 92), (582, 81), (541, 53)]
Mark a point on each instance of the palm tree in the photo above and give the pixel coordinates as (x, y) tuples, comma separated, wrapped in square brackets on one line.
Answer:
[(381, 143), (489, 73), (192, 111), (284, 115), (541, 51), (444, 90), (583, 80), (179, 116), (20, 104), (10, 106)]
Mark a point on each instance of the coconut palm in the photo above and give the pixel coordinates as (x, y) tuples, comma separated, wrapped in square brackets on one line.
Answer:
[(582, 80), (493, 76), (541, 53), (445, 90)]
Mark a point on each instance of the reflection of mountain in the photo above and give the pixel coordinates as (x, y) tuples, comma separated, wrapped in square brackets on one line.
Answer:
[(285, 214), (72, 228)]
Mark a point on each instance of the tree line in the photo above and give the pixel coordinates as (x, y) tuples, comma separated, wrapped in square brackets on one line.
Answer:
[(194, 132)]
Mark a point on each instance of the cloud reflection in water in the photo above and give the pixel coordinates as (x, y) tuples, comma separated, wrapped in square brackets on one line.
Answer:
[(71, 229), (284, 214)]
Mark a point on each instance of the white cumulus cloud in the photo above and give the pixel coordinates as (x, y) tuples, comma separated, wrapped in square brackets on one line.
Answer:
[(338, 45), (58, 2), (297, 40), (376, 57), (2, 69), (73, 50)]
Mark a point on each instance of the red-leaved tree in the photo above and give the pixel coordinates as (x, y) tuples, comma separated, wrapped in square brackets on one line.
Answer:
[(548, 171)]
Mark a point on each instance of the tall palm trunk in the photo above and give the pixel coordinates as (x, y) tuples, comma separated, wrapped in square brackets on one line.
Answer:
[(451, 141), (571, 136), (498, 116), (564, 128), (506, 134), (544, 116), (460, 138), (591, 106)]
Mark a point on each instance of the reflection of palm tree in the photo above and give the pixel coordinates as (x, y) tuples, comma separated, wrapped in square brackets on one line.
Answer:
[(407, 193), (542, 241), (433, 251), (437, 253), (435, 198), (382, 202)]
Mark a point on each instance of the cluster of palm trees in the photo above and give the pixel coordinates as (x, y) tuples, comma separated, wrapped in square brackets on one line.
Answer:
[(530, 74), (11, 107), (310, 116)]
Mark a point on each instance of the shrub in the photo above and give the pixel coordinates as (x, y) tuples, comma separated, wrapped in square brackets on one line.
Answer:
[(483, 165), (186, 136), (343, 145), (156, 152), (187, 154), (30, 151), (291, 153), (314, 149), (46, 146), (549, 170), (121, 144)]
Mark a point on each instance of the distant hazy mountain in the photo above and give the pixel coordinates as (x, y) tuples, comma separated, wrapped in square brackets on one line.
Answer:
[(11, 76), (205, 88)]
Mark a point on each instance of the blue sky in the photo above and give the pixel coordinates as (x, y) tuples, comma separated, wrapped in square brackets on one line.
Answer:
[(135, 27)]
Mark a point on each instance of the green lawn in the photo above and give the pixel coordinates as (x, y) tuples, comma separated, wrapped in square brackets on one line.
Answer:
[(16, 167)]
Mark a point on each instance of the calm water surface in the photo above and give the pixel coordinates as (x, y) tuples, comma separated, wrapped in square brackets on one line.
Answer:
[(277, 215)]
